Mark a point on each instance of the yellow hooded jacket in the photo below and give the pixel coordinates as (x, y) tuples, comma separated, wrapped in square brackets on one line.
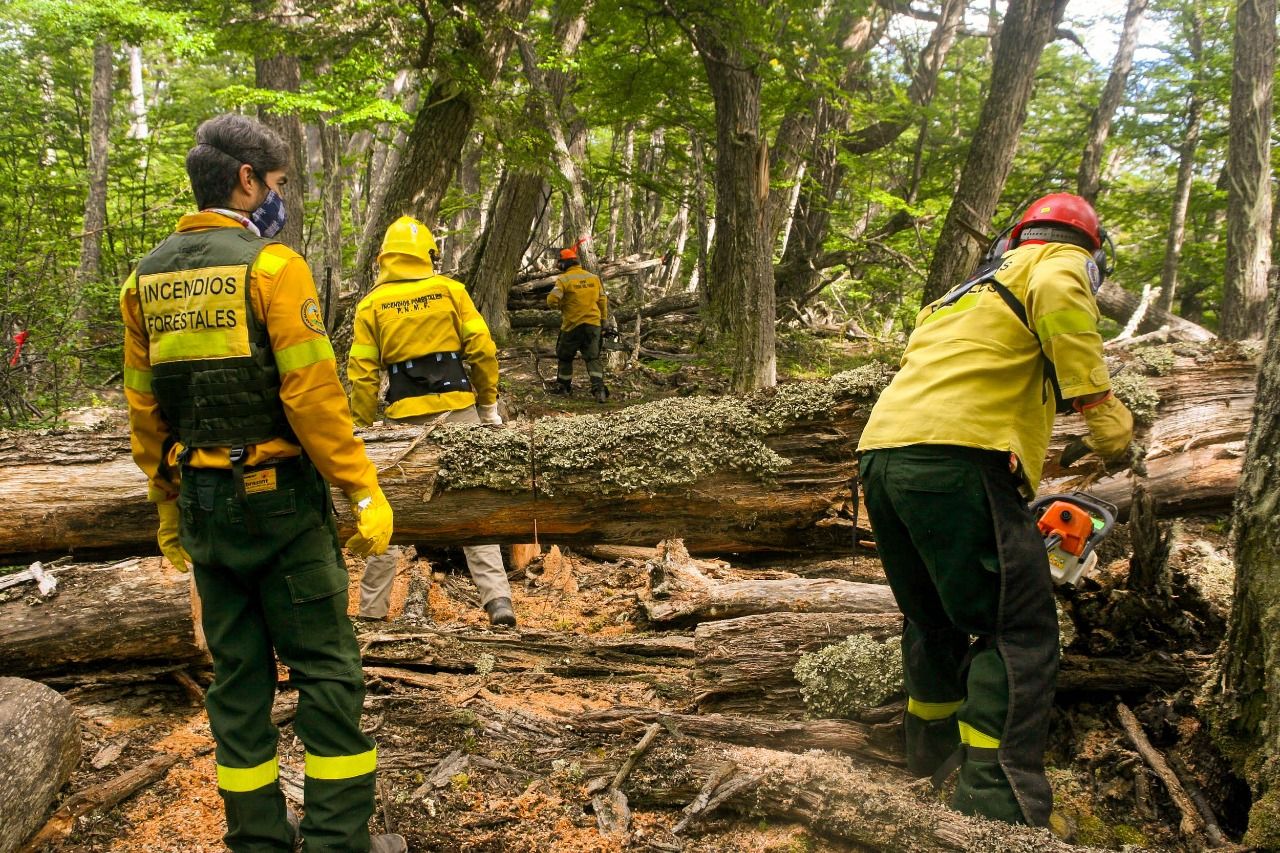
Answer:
[(973, 373), (283, 297), (412, 312), (580, 297)]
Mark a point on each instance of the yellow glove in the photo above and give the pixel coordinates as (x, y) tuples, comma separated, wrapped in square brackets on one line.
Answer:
[(1110, 431), (167, 536), (373, 523)]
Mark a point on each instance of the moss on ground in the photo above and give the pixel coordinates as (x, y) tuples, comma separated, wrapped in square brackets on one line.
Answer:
[(652, 447)]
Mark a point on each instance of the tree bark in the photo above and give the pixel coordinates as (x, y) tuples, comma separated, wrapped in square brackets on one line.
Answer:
[(95, 205), (39, 747), (133, 611), (685, 467), (858, 806), (1186, 173), (1246, 694), (282, 72), (137, 95), (1090, 175), (1028, 27), (679, 590), (740, 279), (442, 125), (330, 278), (1244, 291), (502, 245)]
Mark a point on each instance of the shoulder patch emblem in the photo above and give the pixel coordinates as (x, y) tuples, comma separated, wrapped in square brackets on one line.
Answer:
[(1094, 274), (311, 317)]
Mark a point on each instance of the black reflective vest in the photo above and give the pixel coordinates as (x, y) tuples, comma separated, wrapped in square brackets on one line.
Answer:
[(213, 371)]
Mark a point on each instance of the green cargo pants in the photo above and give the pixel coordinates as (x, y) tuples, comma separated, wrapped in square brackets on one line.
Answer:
[(279, 588), (964, 559), (584, 338)]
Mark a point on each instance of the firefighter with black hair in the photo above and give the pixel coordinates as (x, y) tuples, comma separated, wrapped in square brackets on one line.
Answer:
[(952, 450), (239, 421)]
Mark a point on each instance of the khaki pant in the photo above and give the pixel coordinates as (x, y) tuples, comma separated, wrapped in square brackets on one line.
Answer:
[(483, 561)]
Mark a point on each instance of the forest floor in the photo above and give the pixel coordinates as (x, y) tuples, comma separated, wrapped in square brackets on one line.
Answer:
[(488, 758), (491, 760)]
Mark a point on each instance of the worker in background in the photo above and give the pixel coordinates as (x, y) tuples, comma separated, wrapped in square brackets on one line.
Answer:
[(238, 419), (584, 308), (953, 448), (442, 365)]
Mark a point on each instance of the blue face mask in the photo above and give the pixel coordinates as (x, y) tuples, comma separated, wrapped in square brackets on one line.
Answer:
[(270, 215)]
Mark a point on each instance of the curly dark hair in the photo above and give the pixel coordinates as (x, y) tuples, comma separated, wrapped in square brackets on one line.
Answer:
[(225, 142)]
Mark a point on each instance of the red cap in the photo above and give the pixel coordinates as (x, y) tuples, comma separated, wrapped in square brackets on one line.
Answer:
[(571, 253)]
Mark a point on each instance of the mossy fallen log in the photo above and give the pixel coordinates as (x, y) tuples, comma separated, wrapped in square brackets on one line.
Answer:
[(766, 472)]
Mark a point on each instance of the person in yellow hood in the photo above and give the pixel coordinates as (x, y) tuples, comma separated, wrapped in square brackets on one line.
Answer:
[(951, 451), (424, 331), (238, 419), (584, 308)]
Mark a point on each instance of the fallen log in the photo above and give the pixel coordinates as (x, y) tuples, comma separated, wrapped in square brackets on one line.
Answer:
[(746, 665), (630, 265), (679, 590), (135, 610), (879, 742), (532, 318), (1119, 304), (862, 806), (766, 472), (39, 747)]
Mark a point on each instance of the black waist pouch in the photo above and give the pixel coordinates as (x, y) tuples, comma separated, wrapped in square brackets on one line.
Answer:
[(434, 373)]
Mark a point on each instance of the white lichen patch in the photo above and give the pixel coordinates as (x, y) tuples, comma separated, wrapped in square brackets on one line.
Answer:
[(1158, 360), (1137, 394), (850, 677)]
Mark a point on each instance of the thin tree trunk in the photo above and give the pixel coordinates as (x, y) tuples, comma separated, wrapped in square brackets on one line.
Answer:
[(1028, 27), (95, 206), (282, 72), (1186, 173), (331, 205), (671, 275), (137, 96), (1089, 177), (460, 227), (1244, 291), (628, 181)]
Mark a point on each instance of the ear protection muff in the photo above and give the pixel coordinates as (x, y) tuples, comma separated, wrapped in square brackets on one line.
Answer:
[(1104, 258)]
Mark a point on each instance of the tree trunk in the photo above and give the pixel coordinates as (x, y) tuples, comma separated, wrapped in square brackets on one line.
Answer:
[(502, 245), (1090, 174), (330, 278), (39, 747), (1186, 173), (441, 127), (709, 470), (1244, 291), (461, 234), (740, 279), (1028, 27), (137, 610), (137, 96), (1245, 690), (282, 72), (95, 205)]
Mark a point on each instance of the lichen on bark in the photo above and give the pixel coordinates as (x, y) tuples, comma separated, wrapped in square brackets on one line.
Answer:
[(648, 448)]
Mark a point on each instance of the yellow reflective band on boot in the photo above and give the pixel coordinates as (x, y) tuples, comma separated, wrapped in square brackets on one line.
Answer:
[(239, 780), (303, 354), (932, 710), (342, 766), (972, 737)]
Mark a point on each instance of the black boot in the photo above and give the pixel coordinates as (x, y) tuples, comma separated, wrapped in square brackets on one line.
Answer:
[(500, 612), (563, 386), (601, 393)]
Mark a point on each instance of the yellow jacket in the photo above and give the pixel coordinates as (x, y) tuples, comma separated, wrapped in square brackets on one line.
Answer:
[(283, 297), (410, 313), (580, 297), (973, 373)]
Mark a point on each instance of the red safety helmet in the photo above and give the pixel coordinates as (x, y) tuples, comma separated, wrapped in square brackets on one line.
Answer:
[(571, 253), (1063, 209)]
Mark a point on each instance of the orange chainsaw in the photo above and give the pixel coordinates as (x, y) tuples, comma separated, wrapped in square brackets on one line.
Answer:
[(1072, 526)]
